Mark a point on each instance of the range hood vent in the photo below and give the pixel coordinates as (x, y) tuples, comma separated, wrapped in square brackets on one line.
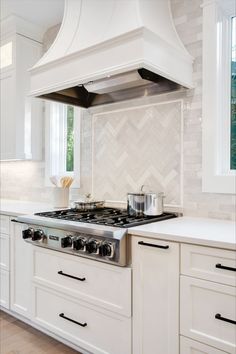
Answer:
[(112, 50), (119, 88)]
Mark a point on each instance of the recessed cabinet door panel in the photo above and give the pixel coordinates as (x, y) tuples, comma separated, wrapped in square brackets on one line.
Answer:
[(188, 346), (4, 288), (155, 296), (7, 147), (101, 283), (208, 313), (4, 251), (21, 272), (91, 328), (208, 263), (4, 224)]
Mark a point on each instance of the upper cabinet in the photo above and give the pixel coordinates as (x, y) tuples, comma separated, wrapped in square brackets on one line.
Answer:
[(21, 115)]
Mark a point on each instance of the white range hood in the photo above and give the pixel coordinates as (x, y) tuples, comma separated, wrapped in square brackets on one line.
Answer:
[(112, 50)]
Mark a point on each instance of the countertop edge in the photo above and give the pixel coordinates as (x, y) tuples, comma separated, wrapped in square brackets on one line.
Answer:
[(184, 239)]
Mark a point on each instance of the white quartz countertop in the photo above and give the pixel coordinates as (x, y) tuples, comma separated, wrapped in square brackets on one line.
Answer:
[(195, 230), (19, 207)]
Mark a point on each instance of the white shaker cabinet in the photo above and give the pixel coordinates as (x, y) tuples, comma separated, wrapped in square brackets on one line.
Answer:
[(188, 346), (21, 116), (155, 296), (4, 260), (21, 272)]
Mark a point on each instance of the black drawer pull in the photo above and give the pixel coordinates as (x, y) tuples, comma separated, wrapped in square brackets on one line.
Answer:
[(69, 319), (70, 276), (219, 317), (152, 245), (19, 222), (218, 265)]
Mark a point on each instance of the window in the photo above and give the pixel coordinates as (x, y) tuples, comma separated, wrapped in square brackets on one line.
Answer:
[(6, 55), (62, 141), (218, 119), (233, 95)]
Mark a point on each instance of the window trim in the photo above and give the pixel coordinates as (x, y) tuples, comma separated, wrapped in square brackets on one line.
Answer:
[(50, 147), (216, 175)]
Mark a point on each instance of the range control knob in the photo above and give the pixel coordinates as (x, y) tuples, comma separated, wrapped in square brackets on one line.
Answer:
[(66, 241), (37, 235), (107, 249), (28, 233), (93, 246), (79, 244)]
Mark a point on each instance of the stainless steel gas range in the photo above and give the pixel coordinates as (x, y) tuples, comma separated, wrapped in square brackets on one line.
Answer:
[(99, 234)]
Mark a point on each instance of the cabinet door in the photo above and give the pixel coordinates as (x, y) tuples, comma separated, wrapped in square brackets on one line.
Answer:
[(20, 276), (7, 90), (208, 313), (155, 296), (4, 251), (188, 346), (4, 288)]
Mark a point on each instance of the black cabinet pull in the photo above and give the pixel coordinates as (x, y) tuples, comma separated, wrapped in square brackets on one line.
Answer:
[(220, 266), (70, 319), (219, 317), (19, 222), (152, 245), (70, 276)]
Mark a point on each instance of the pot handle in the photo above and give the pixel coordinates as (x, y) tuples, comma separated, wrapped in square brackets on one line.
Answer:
[(143, 186)]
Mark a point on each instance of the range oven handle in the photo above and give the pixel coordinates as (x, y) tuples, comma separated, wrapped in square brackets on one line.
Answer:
[(70, 319), (70, 276)]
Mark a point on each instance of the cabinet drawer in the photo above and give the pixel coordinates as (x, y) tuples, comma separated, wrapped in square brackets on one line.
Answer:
[(209, 263), (4, 224), (91, 328), (4, 288), (98, 283), (200, 302), (4, 251), (188, 346)]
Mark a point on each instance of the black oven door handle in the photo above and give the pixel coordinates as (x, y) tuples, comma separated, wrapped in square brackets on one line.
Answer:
[(70, 276), (73, 321)]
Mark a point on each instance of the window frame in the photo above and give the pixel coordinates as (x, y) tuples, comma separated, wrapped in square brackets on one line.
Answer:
[(216, 98), (55, 152)]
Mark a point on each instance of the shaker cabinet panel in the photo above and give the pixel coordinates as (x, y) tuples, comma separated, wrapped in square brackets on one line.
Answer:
[(8, 143), (155, 296), (89, 327), (4, 251), (21, 115), (208, 313), (21, 272), (100, 285), (4, 224), (188, 346), (208, 263), (4, 288)]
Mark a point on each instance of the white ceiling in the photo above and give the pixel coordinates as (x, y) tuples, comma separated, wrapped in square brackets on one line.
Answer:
[(45, 13)]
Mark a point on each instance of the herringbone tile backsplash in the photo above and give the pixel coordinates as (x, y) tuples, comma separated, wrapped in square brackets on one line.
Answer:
[(136, 147)]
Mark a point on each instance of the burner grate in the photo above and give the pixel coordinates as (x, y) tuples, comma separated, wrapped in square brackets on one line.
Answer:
[(105, 216)]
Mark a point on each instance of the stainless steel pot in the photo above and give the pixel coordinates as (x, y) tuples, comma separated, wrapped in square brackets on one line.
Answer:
[(135, 203), (153, 204), (80, 205)]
